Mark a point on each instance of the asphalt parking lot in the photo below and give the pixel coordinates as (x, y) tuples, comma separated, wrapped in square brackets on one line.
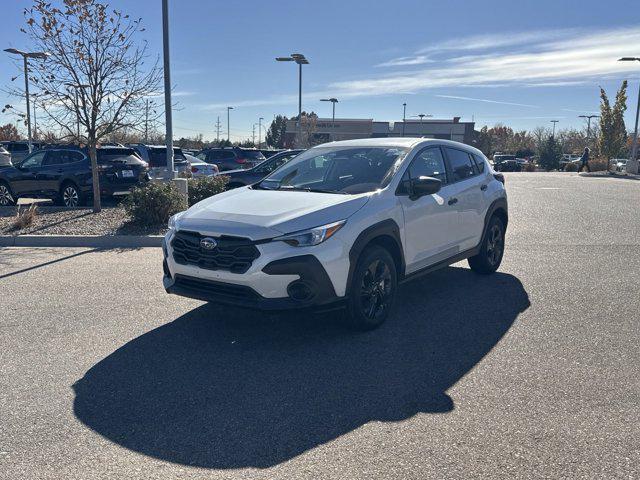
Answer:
[(530, 373)]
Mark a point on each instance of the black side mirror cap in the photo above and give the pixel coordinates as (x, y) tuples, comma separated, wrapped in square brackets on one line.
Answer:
[(423, 186)]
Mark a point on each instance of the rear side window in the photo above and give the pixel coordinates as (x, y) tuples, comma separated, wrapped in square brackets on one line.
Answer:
[(62, 157), (479, 163), (462, 167), (18, 147)]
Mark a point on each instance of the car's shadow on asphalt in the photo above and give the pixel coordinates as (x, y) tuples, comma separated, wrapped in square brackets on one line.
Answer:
[(226, 388)]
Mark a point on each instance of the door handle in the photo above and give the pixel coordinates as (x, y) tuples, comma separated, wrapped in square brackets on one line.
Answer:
[(483, 187), (452, 201)]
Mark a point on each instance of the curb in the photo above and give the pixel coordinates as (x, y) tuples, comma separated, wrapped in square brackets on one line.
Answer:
[(87, 241), (627, 176)]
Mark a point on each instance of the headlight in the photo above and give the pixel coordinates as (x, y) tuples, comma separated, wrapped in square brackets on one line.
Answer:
[(313, 236), (173, 219)]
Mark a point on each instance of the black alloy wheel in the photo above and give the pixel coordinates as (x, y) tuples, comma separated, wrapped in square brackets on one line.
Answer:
[(6, 198), (70, 196), (373, 289), (491, 250)]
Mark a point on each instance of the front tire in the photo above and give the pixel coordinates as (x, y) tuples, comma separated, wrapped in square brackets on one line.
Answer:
[(492, 249), (6, 197), (373, 289), (70, 196)]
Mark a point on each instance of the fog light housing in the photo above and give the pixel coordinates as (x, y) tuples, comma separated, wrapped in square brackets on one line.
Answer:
[(300, 291)]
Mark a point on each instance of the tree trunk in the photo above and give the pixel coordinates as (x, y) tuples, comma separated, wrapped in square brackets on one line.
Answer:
[(93, 155)]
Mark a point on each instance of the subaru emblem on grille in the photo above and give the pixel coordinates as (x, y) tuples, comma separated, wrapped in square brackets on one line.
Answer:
[(208, 243)]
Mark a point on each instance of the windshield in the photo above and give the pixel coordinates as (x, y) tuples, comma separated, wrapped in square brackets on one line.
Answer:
[(337, 170)]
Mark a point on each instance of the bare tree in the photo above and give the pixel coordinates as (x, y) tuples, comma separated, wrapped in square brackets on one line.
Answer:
[(95, 81)]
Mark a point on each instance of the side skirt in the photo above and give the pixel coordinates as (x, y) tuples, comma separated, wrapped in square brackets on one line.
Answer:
[(441, 264)]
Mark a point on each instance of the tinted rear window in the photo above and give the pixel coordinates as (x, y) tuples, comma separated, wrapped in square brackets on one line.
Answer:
[(158, 156), (251, 154)]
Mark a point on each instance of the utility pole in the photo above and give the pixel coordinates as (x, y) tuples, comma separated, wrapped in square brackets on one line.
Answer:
[(260, 131), (167, 89), (218, 126), (228, 127), (300, 59), (554, 127), (588, 117), (632, 164), (404, 116), (253, 134), (25, 56), (35, 122), (146, 121)]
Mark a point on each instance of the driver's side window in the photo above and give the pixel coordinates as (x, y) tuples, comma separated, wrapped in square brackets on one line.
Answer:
[(427, 163), (34, 161)]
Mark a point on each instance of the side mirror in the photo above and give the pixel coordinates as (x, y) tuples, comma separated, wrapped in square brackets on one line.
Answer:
[(423, 186)]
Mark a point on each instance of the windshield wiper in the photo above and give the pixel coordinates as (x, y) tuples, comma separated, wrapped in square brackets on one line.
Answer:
[(309, 189)]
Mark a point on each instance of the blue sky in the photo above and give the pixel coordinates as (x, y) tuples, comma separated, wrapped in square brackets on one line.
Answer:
[(518, 63)]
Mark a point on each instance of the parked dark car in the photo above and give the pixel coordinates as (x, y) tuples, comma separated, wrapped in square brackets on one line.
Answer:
[(508, 166), (232, 158), (156, 156), (240, 178), (64, 175)]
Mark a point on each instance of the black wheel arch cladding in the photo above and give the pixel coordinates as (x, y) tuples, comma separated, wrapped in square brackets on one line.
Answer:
[(386, 234)]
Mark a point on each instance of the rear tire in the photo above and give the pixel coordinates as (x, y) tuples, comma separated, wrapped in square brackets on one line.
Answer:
[(6, 197), (373, 289), (492, 249), (70, 195)]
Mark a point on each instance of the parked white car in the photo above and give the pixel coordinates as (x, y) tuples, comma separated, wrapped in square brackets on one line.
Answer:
[(5, 157), (341, 225), (200, 168)]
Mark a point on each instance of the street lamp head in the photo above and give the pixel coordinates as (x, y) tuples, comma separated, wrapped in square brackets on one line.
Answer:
[(299, 58), (629, 59), (229, 108), (284, 59), (39, 55)]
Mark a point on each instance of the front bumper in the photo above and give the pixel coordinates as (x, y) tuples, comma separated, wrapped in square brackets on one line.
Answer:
[(293, 282)]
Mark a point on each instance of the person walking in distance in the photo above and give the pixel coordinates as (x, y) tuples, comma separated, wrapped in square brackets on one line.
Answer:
[(584, 160)]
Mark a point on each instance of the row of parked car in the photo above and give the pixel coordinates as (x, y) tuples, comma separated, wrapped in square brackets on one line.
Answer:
[(62, 173)]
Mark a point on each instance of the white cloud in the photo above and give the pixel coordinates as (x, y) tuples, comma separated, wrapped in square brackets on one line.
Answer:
[(485, 100), (554, 59), (496, 40), (406, 61)]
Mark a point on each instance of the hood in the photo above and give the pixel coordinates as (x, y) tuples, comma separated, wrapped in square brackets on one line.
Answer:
[(261, 214)]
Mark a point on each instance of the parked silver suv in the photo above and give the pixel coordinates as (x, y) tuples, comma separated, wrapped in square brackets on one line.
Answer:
[(341, 224)]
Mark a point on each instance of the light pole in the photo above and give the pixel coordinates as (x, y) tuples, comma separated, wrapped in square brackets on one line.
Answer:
[(75, 87), (421, 116), (260, 131), (588, 117), (167, 89), (554, 127), (228, 127), (333, 113), (25, 56), (300, 59), (404, 116), (632, 164)]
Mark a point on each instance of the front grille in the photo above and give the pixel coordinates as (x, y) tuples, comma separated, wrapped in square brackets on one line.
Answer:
[(208, 288), (233, 254)]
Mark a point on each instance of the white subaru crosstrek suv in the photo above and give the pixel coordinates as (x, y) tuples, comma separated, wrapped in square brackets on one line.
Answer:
[(342, 224)]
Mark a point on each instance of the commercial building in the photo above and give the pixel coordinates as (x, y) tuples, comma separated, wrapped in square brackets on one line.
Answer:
[(320, 130)]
